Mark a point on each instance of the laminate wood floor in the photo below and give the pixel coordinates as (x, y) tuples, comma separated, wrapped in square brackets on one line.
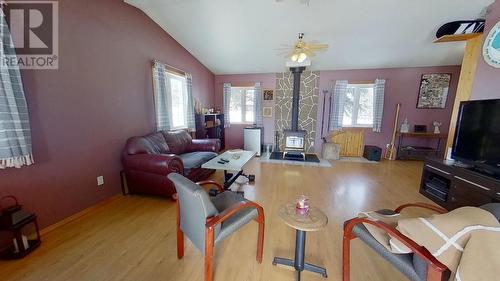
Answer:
[(133, 238)]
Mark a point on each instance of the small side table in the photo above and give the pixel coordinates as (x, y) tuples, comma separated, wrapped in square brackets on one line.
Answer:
[(313, 221)]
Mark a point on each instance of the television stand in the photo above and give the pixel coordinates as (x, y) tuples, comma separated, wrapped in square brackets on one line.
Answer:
[(484, 172), (462, 165), (453, 187)]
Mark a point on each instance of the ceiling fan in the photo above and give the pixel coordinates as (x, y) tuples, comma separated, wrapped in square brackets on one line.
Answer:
[(302, 50)]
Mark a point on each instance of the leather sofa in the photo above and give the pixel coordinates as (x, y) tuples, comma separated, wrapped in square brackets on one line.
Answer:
[(147, 160)]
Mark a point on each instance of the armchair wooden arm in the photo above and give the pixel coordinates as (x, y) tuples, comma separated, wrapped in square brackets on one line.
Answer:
[(211, 182), (436, 270), (421, 205), (220, 218)]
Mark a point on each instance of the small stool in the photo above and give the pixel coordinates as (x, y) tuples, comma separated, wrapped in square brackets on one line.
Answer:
[(313, 221), (331, 151)]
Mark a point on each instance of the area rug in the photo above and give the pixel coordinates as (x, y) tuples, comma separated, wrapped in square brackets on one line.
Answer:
[(265, 158), (357, 160)]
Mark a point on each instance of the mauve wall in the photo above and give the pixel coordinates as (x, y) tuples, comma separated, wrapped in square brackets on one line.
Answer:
[(402, 86), (234, 134), (487, 82), (82, 114)]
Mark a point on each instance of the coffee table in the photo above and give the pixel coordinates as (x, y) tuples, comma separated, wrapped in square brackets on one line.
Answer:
[(313, 221), (233, 167)]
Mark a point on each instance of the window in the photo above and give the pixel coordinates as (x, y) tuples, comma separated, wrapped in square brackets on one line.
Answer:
[(178, 92), (241, 105), (358, 109)]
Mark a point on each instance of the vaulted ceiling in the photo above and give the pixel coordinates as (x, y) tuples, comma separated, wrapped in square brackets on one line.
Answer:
[(240, 36)]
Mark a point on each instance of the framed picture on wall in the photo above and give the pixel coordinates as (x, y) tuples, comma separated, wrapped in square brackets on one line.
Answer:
[(267, 111), (434, 90), (268, 95)]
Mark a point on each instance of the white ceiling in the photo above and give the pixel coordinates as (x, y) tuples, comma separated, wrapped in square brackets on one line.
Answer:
[(240, 36)]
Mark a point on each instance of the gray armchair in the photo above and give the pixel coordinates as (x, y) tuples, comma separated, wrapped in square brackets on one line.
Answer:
[(207, 221), (420, 265)]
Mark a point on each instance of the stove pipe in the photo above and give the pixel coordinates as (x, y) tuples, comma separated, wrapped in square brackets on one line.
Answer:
[(297, 71)]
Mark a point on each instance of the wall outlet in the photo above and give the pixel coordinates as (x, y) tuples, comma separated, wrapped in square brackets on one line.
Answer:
[(100, 180)]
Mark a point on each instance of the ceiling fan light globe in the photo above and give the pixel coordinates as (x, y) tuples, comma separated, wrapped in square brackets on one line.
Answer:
[(302, 57)]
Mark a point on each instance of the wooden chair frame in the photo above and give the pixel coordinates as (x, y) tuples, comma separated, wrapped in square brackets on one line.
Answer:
[(436, 271), (210, 225)]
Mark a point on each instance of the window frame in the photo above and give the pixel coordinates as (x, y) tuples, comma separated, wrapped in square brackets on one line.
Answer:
[(243, 106), (355, 110), (174, 75)]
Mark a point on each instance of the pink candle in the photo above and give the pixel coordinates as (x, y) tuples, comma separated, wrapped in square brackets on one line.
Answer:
[(302, 206)]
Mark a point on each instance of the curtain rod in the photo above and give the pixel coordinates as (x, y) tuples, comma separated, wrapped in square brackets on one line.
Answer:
[(178, 70), (357, 81), (242, 84)]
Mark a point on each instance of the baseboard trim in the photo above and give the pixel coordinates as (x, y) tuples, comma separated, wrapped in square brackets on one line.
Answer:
[(79, 215)]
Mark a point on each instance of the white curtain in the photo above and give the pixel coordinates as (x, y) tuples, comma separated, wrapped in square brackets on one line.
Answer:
[(227, 100), (15, 132), (258, 105), (378, 104), (162, 97), (190, 118), (337, 105)]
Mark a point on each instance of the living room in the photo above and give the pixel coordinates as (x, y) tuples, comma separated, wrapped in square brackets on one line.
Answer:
[(92, 118)]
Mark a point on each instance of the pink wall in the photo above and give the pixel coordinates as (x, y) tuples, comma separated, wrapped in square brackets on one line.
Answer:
[(402, 86), (487, 82), (82, 114), (234, 134)]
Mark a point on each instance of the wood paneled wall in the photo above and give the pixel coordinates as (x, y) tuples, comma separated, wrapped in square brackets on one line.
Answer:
[(467, 75), (351, 141)]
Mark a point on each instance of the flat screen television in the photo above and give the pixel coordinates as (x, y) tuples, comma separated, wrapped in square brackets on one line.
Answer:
[(477, 135)]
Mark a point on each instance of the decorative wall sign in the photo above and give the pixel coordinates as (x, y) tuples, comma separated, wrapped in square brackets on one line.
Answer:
[(268, 95), (434, 90), (491, 48), (267, 111)]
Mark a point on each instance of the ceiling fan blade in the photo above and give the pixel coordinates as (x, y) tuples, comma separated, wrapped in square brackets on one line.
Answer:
[(308, 53), (318, 46)]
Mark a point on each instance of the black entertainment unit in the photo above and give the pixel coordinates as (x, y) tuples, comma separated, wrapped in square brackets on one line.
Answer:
[(473, 177), (452, 186)]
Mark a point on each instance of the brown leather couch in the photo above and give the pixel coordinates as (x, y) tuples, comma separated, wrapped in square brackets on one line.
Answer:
[(147, 160)]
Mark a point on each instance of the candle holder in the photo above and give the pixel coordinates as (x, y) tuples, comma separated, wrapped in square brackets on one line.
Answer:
[(302, 206)]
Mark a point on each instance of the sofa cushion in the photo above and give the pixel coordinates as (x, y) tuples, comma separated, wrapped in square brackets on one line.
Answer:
[(178, 141), (193, 160), (150, 144)]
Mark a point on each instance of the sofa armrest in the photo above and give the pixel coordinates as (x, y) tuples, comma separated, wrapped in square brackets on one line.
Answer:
[(212, 145), (161, 164)]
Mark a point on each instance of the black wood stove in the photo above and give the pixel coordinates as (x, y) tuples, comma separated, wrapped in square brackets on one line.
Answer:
[(294, 146)]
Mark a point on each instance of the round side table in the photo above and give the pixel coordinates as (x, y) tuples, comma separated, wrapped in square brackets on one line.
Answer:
[(313, 221)]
